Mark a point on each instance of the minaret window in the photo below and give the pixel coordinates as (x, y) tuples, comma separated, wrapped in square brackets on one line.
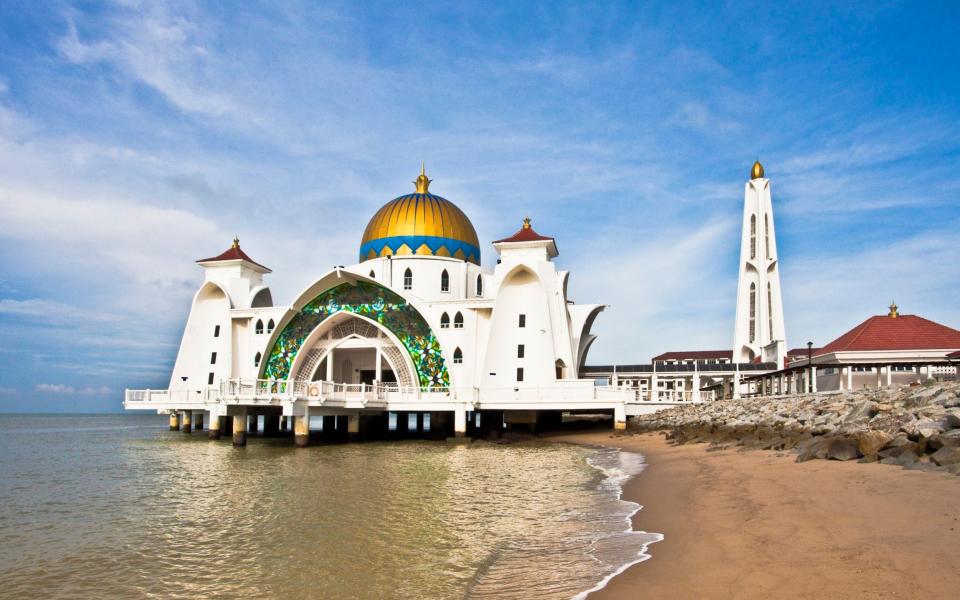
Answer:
[(408, 279), (256, 359), (753, 236), (766, 233), (458, 320), (444, 321), (520, 350), (522, 321), (270, 326), (216, 331), (444, 281), (519, 373), (457, 357), (213, 358), (753, 313), (479, 285), (259, 327), (209, 378), (372, 274), (770, 309)]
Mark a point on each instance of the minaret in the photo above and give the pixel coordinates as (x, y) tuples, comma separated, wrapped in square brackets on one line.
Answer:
[(759, 329)]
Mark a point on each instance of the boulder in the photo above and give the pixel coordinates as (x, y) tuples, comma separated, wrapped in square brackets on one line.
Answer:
[(951, 418), (862, 411), (813, 448), (843, 448), (948, 455), (871, 442)]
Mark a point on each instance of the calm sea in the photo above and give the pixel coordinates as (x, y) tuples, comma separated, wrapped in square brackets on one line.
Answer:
[(119, 507)]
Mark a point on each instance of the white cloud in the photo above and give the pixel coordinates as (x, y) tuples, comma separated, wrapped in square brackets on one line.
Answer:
[(59, 388)]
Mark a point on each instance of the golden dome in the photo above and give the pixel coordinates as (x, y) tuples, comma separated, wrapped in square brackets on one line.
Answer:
[(420, 223), (757, 171)]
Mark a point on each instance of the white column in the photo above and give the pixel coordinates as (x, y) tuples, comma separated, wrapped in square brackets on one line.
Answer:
[(695, 396), (889, 375), (654, 385), (813, 379), (620, 417), (879, 377), (460, 422), (379, 375), (849, 378), (330, 366)]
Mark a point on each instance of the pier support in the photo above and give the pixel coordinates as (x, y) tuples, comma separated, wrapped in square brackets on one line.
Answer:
[(301, 431), (460, 422), (620, 417), (353, 427), (213, 430), (187, 427), (174, 420), (198, 420), (240, 430)]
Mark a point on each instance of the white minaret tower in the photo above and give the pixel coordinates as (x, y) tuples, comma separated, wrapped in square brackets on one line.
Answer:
[(759, 329)]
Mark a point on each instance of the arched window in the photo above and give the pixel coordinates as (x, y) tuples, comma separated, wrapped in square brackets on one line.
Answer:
[(444, 321), (372, 274), (479, 285), (444, 281), (408, 279), (259, 327), (256, 359), (457, 357), (270, 326), (770, 309), (753, 312), (753, 236), (458, 320), (766, 233)]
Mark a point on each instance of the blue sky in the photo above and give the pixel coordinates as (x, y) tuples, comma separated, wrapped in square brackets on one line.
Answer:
[(136, 138)]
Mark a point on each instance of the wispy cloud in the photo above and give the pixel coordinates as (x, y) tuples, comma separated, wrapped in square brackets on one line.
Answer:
[(59, 388)]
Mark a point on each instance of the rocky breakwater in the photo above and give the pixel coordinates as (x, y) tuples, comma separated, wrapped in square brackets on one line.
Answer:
[(916, 427)]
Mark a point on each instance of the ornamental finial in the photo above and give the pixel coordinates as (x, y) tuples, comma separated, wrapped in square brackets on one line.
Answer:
[(526, 222), (757, 171), (236, 242), (893, 310), (422, 182)]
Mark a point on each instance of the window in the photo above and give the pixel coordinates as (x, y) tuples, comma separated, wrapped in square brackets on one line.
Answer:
[(519, 373), (444, 321), (372, 274), (520, 350), (256, 359), (766, 233), (753, 236), (458, 357), (753, 312), (479, 285), (458, 320), (523, 320), (770, 310), (408, 279), (216, 331), (213, 358), (259, 327), (270, 326), (444, 281), (210, 379)]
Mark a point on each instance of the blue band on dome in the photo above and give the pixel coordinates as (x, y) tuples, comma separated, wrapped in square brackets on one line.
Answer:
[(470, 252)]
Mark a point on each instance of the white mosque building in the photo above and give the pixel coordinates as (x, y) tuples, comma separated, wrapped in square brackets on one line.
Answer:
[(416, 336)]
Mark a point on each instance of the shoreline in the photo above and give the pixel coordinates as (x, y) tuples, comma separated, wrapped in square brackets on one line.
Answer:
[(756, 524)]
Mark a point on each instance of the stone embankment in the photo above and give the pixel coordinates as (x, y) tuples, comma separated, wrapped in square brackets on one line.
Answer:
[(916, 427)]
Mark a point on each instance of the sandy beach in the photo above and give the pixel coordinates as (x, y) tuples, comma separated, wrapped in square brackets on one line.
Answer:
[(755, 524)]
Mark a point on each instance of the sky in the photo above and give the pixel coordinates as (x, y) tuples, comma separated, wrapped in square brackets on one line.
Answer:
[(136, 138)]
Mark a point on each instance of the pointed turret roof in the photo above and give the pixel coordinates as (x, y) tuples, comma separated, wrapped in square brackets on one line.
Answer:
[(526, 234), (234, 252)]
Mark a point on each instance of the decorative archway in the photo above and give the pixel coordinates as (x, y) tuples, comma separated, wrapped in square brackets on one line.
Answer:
[(375, 303)]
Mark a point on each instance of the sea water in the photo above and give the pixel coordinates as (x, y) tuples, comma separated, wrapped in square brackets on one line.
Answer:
[(120, 507)]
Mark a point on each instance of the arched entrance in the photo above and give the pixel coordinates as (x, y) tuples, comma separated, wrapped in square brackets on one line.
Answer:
[(348, 348)]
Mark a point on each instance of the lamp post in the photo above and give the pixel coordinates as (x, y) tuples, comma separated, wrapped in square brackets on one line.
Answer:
[(809, 367)]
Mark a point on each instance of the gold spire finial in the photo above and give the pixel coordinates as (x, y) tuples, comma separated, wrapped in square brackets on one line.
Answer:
[(526, 222), (757, 171), (422, 182), (236, 242), (893, 310)]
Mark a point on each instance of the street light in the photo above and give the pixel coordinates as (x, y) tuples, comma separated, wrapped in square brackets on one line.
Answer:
[(809, 367)]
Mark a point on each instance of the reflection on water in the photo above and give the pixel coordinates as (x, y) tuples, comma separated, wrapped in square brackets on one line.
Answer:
[(119, 507)]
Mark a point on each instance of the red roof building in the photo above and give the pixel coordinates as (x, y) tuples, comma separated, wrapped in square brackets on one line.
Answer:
[(234, 253), (527, 236), (899, 332)]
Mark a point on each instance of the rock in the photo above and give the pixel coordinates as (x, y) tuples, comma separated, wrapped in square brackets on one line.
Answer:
[(952, 418), (927, 428), (869, 458), (871, 442), (948, 455), (899, 454), (949, 438), (813, 448), (843, 448), (862, 411)]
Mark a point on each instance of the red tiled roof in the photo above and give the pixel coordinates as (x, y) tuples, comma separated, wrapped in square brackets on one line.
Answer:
[(802, 352), (954, 354), (695, 355), (904, 332), (525, 234), (233, 253)]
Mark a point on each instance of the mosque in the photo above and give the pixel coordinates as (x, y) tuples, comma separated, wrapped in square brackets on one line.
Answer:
[(416, 337)]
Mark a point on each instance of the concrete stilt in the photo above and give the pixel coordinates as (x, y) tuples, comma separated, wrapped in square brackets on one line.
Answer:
[(301, 431), (460, 422), (240, 430), (213, 430), (620, 417), (187, 427), (174, 420), (353, 427)]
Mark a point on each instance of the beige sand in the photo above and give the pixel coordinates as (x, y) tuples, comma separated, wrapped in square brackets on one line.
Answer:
[(752, 524)]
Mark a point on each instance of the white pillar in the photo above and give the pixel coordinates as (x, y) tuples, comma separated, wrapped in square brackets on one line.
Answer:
[(330, 366), (379, 375), (849, 378), (879, 377), (620, 417), (813, 379), (654, 385), (695, 396), (889, 375), (460, 422)]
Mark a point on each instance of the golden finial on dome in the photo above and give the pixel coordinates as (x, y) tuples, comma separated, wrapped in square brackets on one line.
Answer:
[(236, 242), (757, 171), (893, 310), (422, 182), (526, 222)]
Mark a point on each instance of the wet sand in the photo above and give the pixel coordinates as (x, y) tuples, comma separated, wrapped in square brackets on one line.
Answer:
[(755, 524)]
